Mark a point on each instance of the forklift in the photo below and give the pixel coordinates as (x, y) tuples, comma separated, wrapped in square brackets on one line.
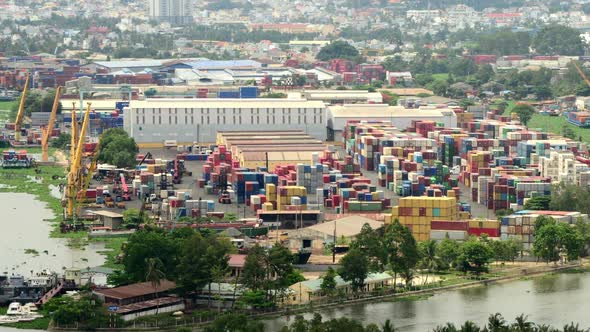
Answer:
[(222, 189)]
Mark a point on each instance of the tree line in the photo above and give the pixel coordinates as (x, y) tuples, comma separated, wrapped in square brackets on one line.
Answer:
[(195, 259), (495, 323)]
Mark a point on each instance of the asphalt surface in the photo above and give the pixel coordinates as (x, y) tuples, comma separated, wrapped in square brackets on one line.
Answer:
[(242, 211)]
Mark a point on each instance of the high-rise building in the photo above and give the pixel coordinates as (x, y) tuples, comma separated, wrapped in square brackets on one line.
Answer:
[(173, 11)]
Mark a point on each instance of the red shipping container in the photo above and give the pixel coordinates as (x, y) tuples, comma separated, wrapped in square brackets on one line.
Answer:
[(491, 232), (449, 225)]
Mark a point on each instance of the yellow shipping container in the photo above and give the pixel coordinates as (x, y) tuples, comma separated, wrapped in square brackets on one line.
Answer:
[(429, 212), (395, 211), (415, 212), (388, 219), (430, 203)]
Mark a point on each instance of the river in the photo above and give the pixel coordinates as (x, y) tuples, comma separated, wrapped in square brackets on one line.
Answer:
[(556, 300), (23, 228)]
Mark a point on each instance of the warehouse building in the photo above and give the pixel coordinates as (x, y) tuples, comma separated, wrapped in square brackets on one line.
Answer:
[(401, 117), (198, 120), (339, 97)]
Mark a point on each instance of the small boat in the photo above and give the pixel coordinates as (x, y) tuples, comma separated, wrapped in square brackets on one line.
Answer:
[(8, 319), (14, 309)]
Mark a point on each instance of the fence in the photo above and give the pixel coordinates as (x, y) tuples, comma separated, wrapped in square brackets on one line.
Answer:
[(204, 318)]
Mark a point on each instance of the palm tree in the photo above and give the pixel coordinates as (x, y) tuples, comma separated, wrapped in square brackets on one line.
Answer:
[(447, 328), (521, 324), (470, 326), (497, 323), (388, 327), (429, 258), (154, 275), (573, 328), (408, 275)]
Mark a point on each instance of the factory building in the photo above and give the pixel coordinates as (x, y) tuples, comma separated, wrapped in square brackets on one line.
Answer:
[(198, 120), (400, 117)]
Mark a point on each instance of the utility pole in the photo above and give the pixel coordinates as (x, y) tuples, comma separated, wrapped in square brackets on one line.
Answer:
[(334, 246)]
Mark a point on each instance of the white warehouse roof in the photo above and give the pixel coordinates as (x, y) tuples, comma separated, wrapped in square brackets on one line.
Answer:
[(225, 103)]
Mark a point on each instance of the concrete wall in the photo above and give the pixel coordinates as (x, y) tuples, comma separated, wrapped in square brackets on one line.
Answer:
[(186, 125)]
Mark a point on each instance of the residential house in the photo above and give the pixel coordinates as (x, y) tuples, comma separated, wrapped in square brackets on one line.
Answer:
[(310, 290)]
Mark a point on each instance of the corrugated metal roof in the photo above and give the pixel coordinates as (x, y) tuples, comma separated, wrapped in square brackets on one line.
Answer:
[(130, 63), (224, 103), (135, 290), (381, 110), (223, 64)]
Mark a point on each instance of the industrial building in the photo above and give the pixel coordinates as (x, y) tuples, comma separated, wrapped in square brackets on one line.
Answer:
[(399, 116), (270, 148), (198, 120), (337, 97)]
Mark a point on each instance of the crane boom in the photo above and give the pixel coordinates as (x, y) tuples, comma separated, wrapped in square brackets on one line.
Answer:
[(581, 72), (21, 110), (91, 170), (74, 176), (46, 131), (74, 133)]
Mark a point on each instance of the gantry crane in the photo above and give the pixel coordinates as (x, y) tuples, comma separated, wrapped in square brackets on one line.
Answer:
[(46, 131), (74, 177), (21, 110)]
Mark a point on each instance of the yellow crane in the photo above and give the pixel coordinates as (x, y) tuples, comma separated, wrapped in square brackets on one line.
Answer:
[(581, 72), (21, 110), (90, 172), (46, 131), (74, 178), (74, 133)]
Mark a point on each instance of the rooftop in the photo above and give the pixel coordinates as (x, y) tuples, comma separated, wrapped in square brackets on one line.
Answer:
[(383, 110), (106, 213), (130, 63), (347, 226), (237, 260), (315, 285), (135, 290), (225, 103)]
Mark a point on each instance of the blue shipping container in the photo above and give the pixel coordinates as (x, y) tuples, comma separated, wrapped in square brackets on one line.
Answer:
[(248, 92)]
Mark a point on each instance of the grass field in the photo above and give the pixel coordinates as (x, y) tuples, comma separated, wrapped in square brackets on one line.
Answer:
[(441, 77), (554, 124), (6, 105)]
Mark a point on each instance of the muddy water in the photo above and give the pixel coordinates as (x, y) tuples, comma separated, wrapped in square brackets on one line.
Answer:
[(555, 300), (23, 227)]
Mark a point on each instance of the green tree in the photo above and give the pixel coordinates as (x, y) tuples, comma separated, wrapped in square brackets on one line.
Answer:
[(132, 218), (497, 323), (448, 251), (354, 267), (232, 322), (525, 112), (117, 148), (538, 203), (568, 132), (154, 276), (87, 312), (484, 74), (402, 250), (200, 257), (62, 141), (475, 256), (328, 285), (337, 50), (395, 64), (145, 244), (428, 257), (558, 40), (255, 271), (280, 264)]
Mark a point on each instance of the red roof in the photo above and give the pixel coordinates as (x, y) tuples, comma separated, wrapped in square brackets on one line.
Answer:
[(135, 290), (237, 260)]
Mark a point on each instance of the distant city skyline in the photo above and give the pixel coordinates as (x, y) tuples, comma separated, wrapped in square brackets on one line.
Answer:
[(172, 11)]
